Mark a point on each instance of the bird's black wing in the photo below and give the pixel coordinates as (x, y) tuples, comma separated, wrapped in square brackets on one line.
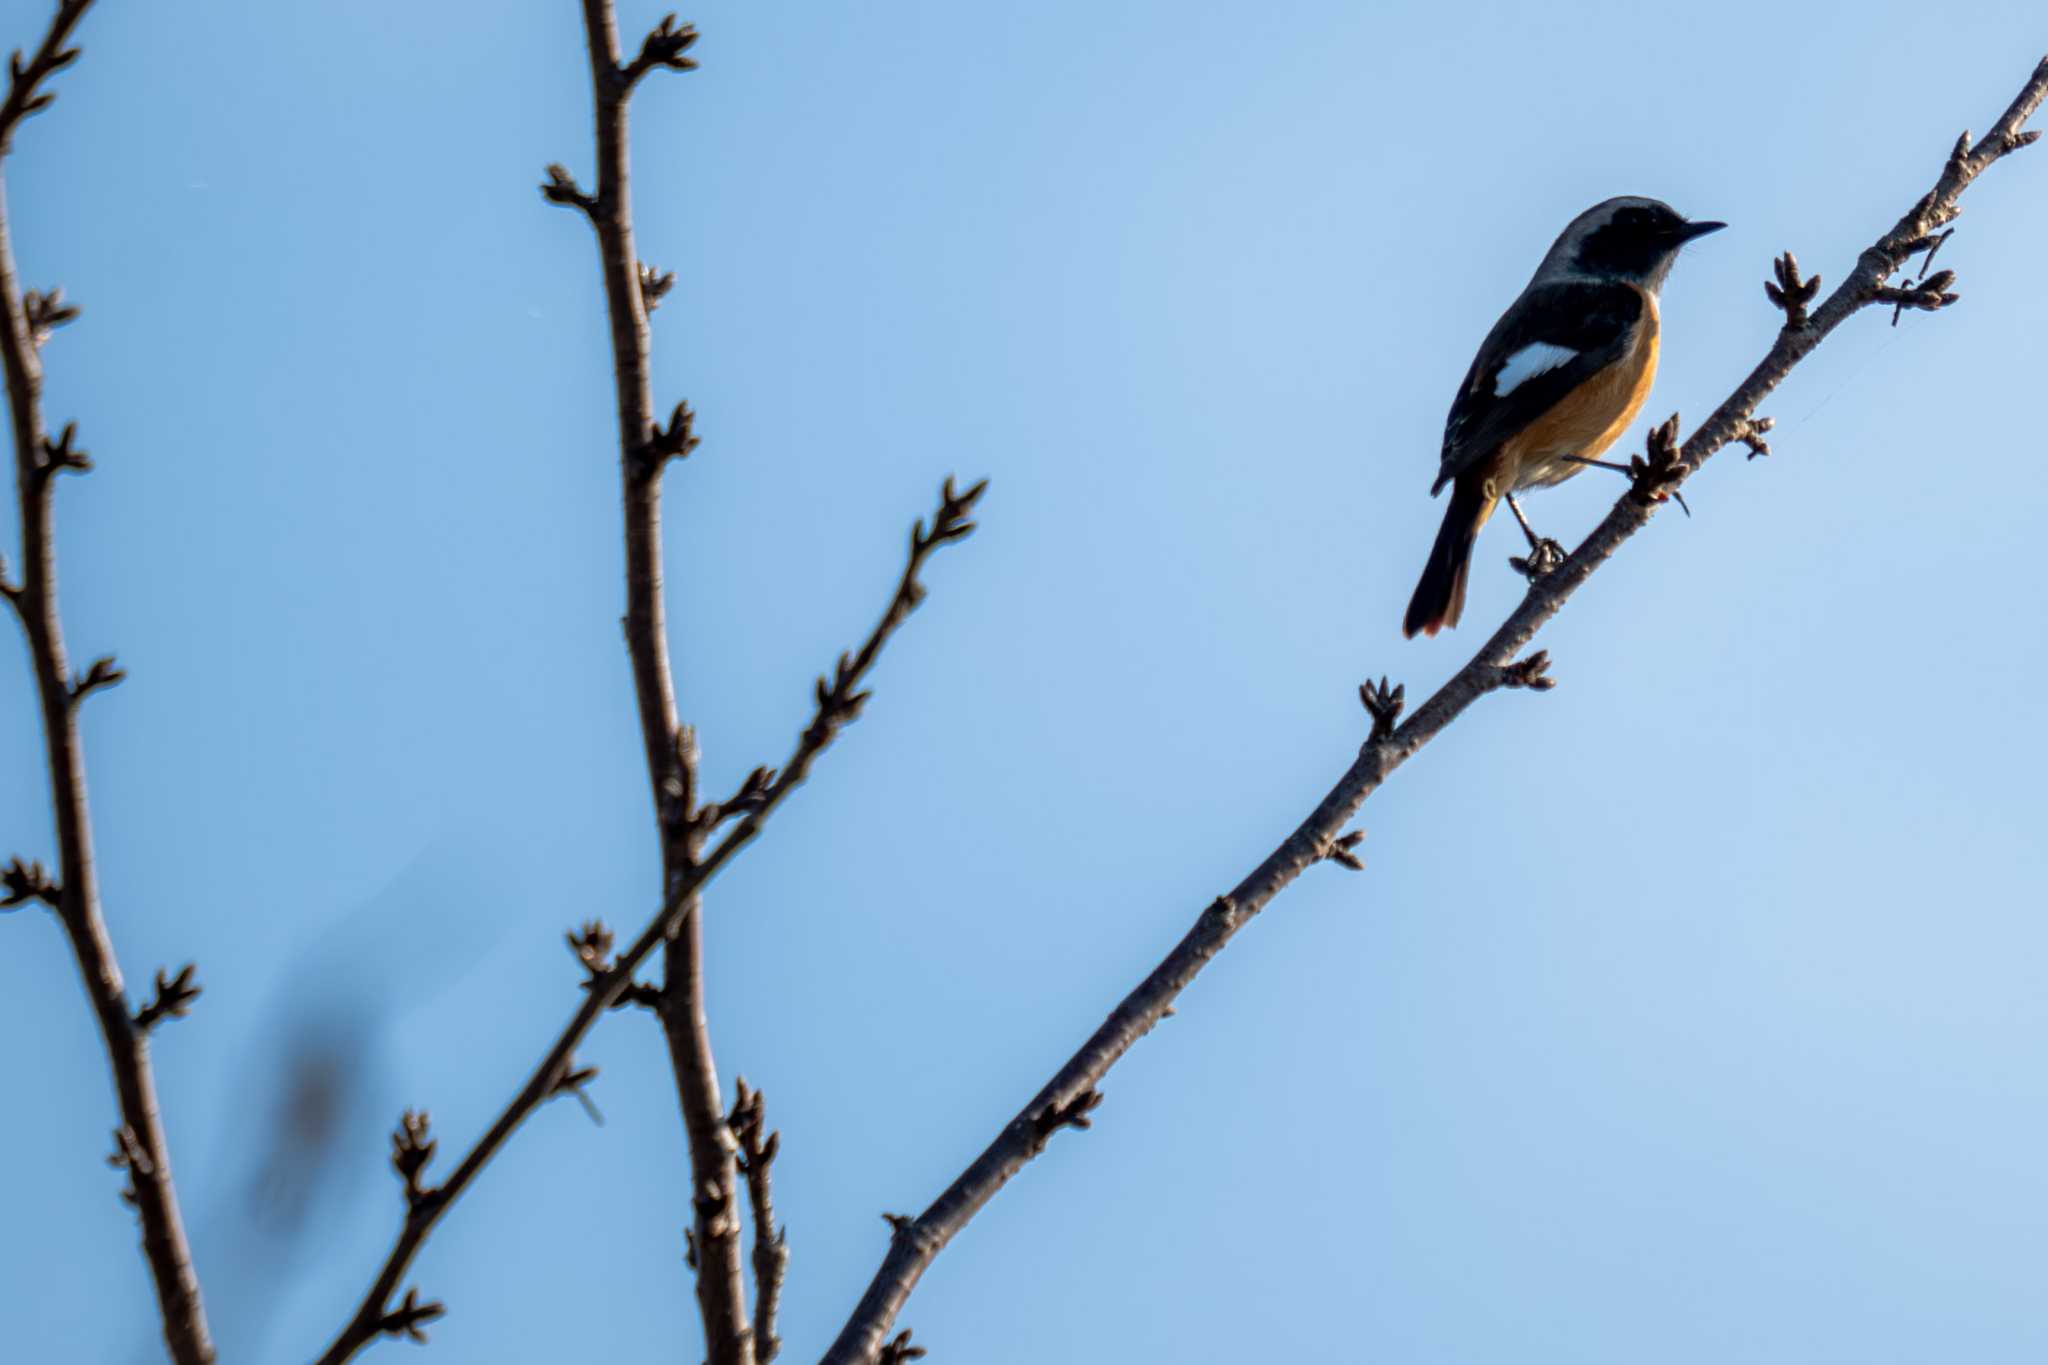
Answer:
[(1527, 348)]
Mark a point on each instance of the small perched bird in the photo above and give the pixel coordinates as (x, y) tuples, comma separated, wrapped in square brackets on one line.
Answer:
[(1556, 381)]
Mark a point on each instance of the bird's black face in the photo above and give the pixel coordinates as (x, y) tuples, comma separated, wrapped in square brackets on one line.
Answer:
[(1638, 242)]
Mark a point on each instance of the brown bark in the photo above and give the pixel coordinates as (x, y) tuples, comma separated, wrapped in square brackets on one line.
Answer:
[(139, 1144)]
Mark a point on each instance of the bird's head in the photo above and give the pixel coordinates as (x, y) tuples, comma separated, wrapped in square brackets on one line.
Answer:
[(1629, 239)]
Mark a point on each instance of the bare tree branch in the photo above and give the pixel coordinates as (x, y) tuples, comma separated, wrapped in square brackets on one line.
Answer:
[(915, 1242), (645, 449), (26, 320), (838, 702), (671, 754), (771, 1243)]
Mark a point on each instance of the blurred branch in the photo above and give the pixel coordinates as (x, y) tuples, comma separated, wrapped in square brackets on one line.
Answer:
[(837, 702), (1498, 664), (26, 321)]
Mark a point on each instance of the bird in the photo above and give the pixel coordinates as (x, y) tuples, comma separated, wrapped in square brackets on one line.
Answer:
[(1556, 382)]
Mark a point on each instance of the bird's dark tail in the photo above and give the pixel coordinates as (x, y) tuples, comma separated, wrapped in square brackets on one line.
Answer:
[(1440, 597)]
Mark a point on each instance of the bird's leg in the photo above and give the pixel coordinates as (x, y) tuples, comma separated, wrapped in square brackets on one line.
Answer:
[(1626, 473), (1545, 554), (1597, 464)]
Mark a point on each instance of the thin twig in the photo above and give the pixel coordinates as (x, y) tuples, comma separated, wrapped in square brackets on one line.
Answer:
[(173, 999), (771, 1243), (914, 1242), (26, 319), (22, 882), (25, 95), (838, 702)]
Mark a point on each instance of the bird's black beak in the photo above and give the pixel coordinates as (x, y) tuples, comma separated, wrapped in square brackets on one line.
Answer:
[(1687, 231)]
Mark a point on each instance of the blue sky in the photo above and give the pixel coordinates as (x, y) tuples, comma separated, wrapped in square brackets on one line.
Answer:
[(1691, 1012)]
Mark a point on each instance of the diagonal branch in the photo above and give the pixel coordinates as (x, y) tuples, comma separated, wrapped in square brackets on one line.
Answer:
[(916, 1241), (26, 319), (427, 1205)]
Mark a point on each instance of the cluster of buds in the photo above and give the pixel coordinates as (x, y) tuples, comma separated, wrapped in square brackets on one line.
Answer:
[(1656, 478), (1073, 1112), (174, 997), (664, 48), (1791, 293), (411, 1149), (1383, 704), (1532, 673), (22, 882)]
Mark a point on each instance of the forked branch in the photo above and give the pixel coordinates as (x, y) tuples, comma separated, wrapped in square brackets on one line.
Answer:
[(425, 1205)]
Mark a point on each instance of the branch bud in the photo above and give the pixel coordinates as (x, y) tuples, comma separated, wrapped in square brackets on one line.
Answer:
[(174, 997)]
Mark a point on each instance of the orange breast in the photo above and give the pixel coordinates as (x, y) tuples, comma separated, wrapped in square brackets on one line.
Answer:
[(1587, 420)]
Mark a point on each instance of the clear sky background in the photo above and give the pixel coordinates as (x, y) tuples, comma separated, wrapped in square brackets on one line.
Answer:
[(1693, 1012)]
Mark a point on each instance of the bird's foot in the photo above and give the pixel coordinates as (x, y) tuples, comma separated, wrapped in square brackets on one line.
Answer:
[(1544, 557)]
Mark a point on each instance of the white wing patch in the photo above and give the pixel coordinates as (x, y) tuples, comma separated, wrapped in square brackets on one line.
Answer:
[(1536, 358)]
